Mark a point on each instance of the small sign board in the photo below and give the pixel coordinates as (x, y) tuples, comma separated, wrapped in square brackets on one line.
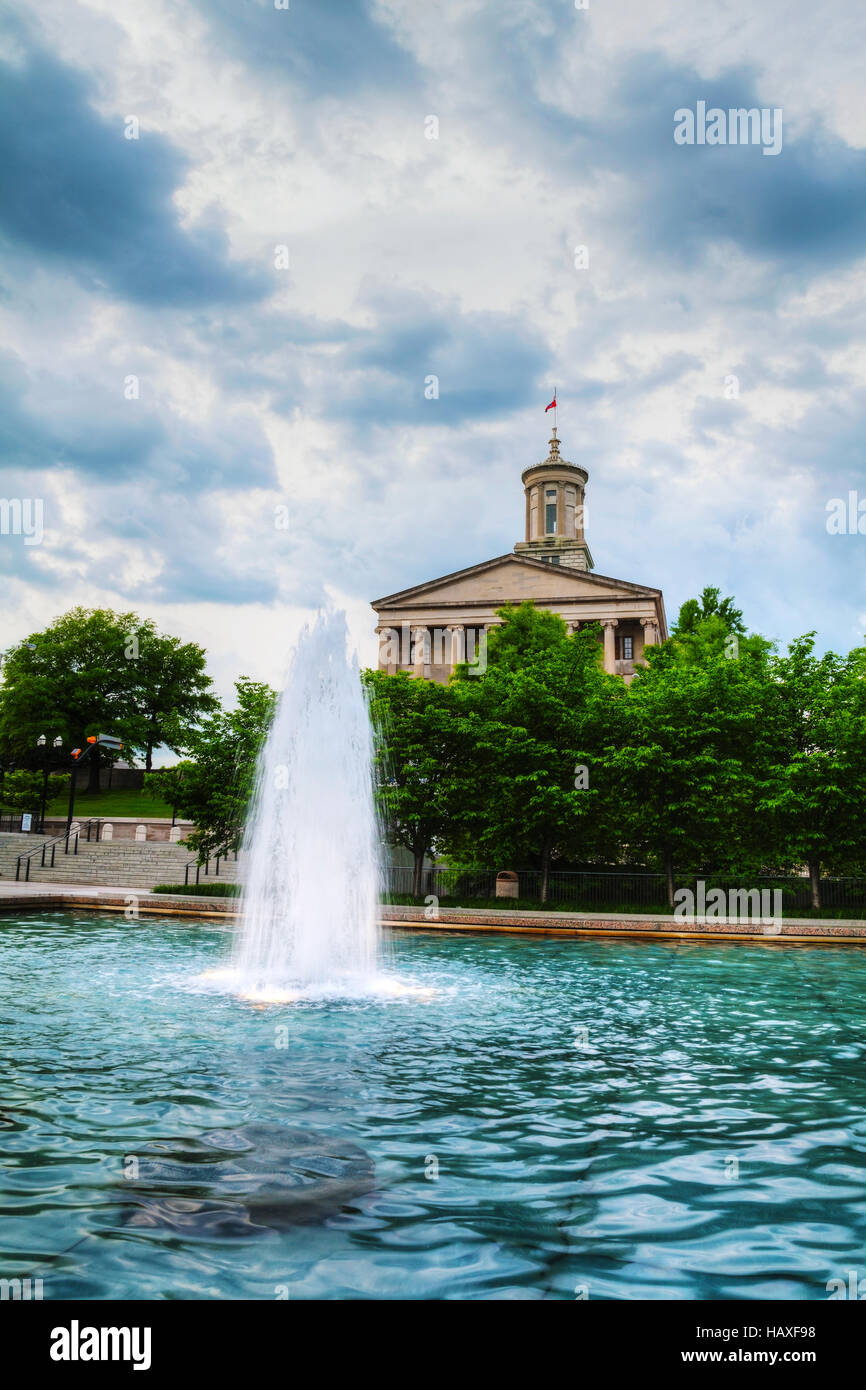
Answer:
[(26, 820)]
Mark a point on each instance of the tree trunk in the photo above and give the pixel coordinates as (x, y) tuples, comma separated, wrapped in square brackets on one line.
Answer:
[(148, 759), (669, 876), (815, 881), (418, 871), (545, 868)]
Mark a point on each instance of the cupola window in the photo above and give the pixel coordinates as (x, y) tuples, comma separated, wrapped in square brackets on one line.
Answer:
[(550, 511)]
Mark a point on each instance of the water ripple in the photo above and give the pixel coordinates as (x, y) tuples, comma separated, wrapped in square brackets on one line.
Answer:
[(628, 1120)]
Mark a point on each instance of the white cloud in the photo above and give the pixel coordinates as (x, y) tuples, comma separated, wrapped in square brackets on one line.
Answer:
[(258, 404)]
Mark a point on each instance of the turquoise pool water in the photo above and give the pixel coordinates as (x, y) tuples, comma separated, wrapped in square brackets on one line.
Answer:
[(620, 1119)]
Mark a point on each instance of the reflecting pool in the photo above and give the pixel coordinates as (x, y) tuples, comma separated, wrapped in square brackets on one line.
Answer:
[(532, 1119)]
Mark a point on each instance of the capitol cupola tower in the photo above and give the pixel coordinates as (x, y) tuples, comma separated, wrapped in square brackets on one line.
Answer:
[(555, 512), (430, 628)]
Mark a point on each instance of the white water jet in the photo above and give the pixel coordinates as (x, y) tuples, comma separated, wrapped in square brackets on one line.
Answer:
[(310, 909)]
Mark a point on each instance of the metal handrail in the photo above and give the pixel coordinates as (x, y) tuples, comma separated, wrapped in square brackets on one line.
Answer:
[(206, 866), (75, 836)]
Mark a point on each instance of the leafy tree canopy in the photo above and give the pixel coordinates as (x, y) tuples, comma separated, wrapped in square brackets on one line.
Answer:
[(418, 745), (533, 788), (22, 790), (94, 671), (214, 786), (816, 796), (696, 611), (709, 627)]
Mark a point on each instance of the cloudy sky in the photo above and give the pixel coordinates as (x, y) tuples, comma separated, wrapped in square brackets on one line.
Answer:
[(268, 391)]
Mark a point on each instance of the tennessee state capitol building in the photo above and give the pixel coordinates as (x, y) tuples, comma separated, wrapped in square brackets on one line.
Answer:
[(425, 630)]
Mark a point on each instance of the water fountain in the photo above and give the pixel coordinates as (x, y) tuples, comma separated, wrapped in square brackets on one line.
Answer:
[(311, 904)]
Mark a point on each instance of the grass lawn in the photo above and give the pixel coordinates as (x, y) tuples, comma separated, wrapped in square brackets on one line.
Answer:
[(111, 804)]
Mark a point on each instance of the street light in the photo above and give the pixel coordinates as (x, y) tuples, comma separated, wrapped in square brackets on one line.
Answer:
[(94, 741), (42, 742)]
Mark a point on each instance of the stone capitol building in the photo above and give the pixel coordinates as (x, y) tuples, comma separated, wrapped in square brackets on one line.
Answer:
[(425, 630)]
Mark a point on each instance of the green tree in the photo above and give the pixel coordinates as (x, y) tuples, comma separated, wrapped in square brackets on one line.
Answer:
[(165, 784), (171, 692), (693, 754), (21, 790), (532, 785), (214, 786), (417, 747), (698, 610), (94, 671), (710, 627), (816, 798)]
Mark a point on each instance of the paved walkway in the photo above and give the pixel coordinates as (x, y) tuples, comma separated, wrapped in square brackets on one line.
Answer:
[(10, 889)]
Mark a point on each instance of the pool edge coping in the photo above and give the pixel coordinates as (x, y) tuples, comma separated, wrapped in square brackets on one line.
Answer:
[(835, 931)]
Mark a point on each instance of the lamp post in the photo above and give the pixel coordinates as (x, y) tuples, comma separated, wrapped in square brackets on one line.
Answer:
[(78, 756), (74, 773), (42, 743)]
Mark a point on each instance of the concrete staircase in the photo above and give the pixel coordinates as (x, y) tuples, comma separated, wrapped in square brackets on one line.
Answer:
[(112, 864)]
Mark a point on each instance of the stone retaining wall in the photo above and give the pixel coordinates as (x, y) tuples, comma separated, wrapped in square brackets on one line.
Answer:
[(793, 930), (156, 828), (621, 924)]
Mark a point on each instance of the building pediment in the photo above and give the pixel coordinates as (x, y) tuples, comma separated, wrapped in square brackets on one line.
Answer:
[(430, 627), (515, 579)]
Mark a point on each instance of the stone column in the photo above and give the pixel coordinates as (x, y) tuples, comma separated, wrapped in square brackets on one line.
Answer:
[(578, 515), (610, 625), (649, 631), (421, 638), (388, 637), (458, 643), (483, 638), (560, 509)]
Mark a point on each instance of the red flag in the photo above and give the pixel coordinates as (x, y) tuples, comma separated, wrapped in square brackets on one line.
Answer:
[(552, 406)]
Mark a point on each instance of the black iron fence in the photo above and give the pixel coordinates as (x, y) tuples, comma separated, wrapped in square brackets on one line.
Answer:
[(614, 889)]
